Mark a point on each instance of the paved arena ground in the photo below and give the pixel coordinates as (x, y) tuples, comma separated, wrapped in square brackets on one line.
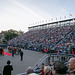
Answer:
[(30, 59)]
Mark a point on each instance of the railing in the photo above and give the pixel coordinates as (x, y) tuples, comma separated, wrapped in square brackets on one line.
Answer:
[(37, 64), (62, 39), (53, 58)]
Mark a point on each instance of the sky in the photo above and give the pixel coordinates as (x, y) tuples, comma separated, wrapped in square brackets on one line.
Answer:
[(21, 14)]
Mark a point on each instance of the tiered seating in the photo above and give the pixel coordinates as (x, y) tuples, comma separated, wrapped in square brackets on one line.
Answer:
[(68, 42), (44, 38)]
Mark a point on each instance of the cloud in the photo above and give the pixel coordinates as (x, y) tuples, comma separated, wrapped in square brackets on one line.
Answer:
[(27, 9)]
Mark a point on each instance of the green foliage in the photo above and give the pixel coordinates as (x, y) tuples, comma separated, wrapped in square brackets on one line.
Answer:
[(10, 34)]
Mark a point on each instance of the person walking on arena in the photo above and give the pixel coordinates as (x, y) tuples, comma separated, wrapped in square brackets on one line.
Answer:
[(13, 52), (7, 68), (21, 54), (72, 66)]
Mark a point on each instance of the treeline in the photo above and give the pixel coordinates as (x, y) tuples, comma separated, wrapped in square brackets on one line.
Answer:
[(10, 34)]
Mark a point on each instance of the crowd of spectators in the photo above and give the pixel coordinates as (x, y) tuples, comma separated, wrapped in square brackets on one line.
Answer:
[(43, 38), (47, 39), (57, 68), (67, 43)]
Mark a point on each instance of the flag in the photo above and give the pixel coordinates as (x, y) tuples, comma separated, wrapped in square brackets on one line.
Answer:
[(46, 20), (70, 14), (8, 54), (60, 18), (52, 19), (56, 19), (64, 16)]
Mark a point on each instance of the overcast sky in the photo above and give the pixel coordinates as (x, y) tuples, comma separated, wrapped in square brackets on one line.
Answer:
[(21, 14)]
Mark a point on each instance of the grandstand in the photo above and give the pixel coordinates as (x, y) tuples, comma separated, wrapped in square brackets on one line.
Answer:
[(51, 38), (47, 36)]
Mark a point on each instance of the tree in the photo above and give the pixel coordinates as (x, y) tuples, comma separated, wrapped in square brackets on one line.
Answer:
[(10, 34)]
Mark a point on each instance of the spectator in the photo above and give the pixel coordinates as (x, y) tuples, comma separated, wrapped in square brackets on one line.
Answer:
[(42, 69), (50, 66), (33, 74), (0, 74), (59, 68), (72, 66), (47, 70), (7, 68), (29, 70)]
